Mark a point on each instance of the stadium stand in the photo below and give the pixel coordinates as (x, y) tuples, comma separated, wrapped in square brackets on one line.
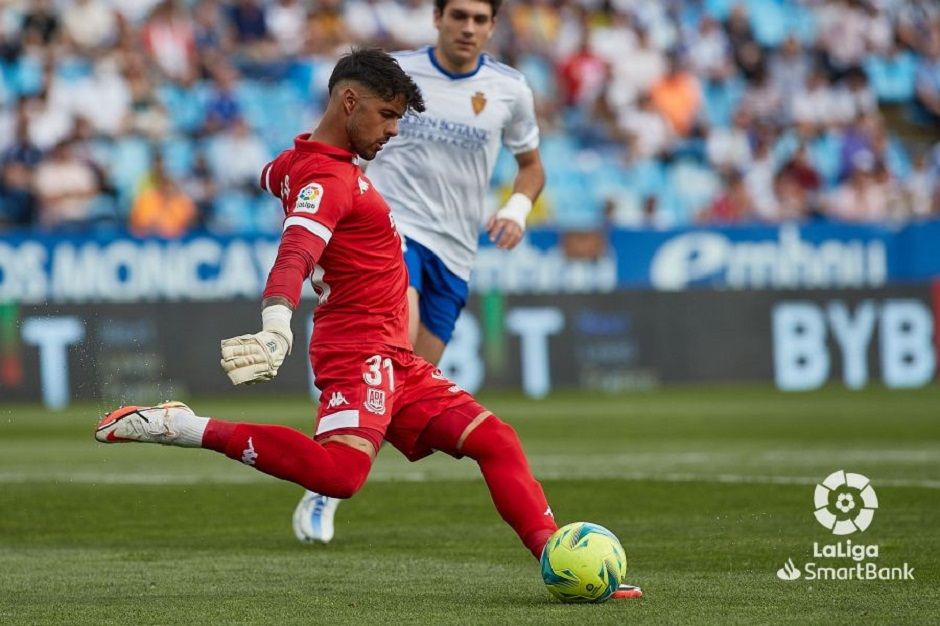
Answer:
[(654, 112)]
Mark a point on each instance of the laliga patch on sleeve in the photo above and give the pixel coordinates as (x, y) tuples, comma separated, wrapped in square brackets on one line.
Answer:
[(308, 198)]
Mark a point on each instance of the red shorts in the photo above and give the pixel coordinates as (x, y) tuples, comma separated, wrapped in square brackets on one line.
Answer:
[(389, 391)]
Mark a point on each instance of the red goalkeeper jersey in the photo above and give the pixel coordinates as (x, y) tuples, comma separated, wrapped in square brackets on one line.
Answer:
[(339, 234)]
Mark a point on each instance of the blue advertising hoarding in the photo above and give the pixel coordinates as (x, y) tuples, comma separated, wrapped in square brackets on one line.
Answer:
[(112, 267), (817, 255)]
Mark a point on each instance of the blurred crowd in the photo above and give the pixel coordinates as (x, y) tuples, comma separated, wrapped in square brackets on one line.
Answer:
[(158, 115)]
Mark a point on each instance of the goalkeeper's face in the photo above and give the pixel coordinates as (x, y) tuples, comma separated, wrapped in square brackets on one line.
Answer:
[(463, 29), (372, 122)]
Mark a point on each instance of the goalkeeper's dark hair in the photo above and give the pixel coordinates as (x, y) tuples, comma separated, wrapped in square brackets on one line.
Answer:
[(494, 4), (378, 71)]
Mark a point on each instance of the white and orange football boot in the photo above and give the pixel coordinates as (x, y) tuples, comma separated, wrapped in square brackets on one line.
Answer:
[(626, 592), (146, 424)]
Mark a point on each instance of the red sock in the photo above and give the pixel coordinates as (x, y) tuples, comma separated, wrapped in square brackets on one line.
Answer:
[(332, 469), (518, 496)]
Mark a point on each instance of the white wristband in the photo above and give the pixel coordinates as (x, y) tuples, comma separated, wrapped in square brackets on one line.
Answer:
[(276, 319), (517, 209)]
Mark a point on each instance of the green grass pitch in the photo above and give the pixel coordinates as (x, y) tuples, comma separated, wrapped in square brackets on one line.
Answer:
[(710, 490)]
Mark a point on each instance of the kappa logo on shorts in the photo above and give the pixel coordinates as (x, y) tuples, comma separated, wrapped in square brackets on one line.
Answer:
[(337, 399), (375, 401), (308, 198)]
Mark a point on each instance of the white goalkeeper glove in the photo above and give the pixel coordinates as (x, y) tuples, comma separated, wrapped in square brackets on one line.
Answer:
[(256, 358)]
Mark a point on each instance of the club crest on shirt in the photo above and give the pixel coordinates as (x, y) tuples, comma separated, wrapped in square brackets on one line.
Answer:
[(308, 198), (478, 100), (375, 401), (363, 185)]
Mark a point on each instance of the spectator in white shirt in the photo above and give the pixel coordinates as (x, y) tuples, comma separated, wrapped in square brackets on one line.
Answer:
[(370, 21), (287, 21), (817, 106), (413, 24), (104, 97), (861, 197), (789, 68), (635, 72), (236, 156), (729, 149), (66, 187), (90, 24), (647, 132), (710, 51)]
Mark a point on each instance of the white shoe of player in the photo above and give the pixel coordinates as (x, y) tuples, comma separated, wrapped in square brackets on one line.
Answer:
[(313, 518), (147, 424)]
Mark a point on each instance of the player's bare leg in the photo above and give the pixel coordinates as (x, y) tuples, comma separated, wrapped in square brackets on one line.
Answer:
[(414, 314), (429, 346)]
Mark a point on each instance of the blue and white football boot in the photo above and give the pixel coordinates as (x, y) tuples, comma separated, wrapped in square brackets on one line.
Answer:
[(313, 518)]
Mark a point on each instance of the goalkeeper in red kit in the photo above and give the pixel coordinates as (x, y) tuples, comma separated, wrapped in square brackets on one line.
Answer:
[(339, 233)]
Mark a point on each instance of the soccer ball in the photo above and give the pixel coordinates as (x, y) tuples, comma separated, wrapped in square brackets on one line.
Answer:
[(583, 562)]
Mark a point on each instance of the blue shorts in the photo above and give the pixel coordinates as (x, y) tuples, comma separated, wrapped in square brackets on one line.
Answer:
[(443, 293)]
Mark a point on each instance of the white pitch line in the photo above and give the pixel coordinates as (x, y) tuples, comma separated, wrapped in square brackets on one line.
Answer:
[(770, 480), (86, 478)]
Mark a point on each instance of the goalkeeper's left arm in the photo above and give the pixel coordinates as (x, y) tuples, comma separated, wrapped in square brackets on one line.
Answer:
[(256, 358)]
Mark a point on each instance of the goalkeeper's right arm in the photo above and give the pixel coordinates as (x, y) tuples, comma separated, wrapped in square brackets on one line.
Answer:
[(256, 358), (248, 359)]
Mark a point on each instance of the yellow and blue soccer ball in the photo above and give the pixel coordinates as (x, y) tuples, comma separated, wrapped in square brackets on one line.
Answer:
[(583, 562)]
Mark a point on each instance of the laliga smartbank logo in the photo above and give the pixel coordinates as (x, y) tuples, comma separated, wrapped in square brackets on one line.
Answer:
[(844, 503)]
